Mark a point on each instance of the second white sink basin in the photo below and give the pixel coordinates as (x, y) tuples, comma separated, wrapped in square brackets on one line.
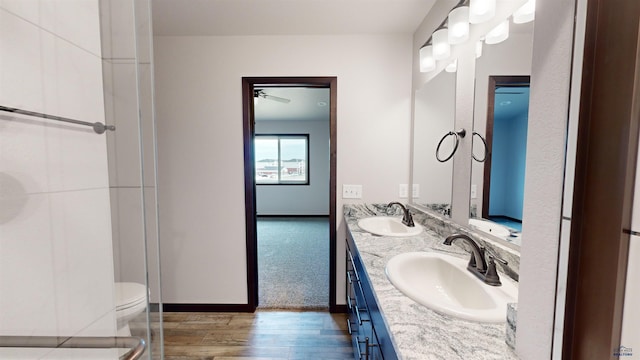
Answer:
[(490, 227), (388, 226), (442, 283)]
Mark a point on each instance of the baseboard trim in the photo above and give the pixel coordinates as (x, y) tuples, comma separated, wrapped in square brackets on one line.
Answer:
[(339, 309), (291, 216), (207, 308)]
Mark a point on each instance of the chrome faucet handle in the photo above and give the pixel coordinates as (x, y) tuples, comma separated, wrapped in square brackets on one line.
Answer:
[(408, 219), (491, 276), (493, 256)]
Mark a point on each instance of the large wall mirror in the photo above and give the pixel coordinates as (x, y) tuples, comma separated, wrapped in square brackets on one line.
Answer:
[(501, 117), (464, 99), (434, 113)]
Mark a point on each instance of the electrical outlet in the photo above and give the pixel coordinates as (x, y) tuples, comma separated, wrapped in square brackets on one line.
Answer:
[(415, 191), (403, 191), (352, 191), (474, 191)]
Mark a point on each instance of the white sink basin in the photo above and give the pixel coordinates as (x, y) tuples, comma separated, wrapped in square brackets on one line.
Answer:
[(490, 227), (388, 226), (443, 283)]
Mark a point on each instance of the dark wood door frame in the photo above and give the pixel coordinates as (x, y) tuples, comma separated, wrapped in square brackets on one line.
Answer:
[(604, 180), (495, 81), (248, 84)]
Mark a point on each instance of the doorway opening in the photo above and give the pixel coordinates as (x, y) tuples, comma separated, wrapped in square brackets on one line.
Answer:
[(506, 135), (290, 197)]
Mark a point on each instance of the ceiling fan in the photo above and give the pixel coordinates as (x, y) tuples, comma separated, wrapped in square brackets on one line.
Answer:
[(259, 93)]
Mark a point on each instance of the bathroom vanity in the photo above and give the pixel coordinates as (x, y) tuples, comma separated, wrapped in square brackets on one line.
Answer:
[(369, 335), (384, 323)]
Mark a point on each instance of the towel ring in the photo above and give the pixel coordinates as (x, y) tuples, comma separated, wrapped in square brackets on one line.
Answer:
[(458, 134), (486, 148)]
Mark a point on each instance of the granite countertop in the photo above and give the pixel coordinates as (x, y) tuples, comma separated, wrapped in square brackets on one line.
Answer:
[(418, 332)]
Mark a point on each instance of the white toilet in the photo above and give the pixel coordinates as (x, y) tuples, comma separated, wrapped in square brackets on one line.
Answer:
[(131, 300)]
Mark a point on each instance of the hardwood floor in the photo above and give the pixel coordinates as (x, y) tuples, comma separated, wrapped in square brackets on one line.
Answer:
[(263, 335)]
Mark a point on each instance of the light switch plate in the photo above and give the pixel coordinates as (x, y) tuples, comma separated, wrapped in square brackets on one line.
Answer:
[(403, 191), (351, 191), (415, 191), (474, 191)]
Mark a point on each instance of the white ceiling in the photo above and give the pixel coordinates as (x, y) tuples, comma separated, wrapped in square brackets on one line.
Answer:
[(287, 17), (305, 104)]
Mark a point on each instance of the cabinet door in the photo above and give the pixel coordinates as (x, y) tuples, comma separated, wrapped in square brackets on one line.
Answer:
[(375, 353), (367, 344)]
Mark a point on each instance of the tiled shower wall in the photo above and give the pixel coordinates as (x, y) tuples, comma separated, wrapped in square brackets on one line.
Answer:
[(56, 262)]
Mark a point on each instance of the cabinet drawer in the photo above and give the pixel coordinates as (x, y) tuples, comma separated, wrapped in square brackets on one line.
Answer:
[(365, 344), (364, 317)]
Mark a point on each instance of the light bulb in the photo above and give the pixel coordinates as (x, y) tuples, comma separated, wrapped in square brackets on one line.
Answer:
[(441, 47), (458, 23), (427, 62), (453, 67), (481, 10), (499, 33), (526, 12)]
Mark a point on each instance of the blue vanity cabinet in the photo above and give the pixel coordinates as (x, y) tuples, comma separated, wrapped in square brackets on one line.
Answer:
[(369, 334)]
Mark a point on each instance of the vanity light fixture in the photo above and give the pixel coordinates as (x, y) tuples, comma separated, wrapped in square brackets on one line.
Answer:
[(525, 13), (427, 62), (458, 24), (453, 67), (499, 33), (441, 47), (481, 10)]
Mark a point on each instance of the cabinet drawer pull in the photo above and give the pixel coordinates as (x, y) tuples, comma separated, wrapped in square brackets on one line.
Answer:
[(358, 316), (351, 279), (355, 342), (360, 291), (353, 265), (349, 326)]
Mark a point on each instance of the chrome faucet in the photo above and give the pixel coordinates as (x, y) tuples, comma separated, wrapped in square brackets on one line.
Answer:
[(407, 219), (478, 266)]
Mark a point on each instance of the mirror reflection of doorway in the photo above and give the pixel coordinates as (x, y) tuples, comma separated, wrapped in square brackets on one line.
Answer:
[(507, 122)]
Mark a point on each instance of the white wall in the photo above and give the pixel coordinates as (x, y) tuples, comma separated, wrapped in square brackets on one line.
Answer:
[(311, 199), (547, 134), (201, 174), (567, 201), (56, 265), (631, 315)]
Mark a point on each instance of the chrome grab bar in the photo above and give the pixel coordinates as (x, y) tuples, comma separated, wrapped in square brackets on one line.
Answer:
[(98, 127), (135, 344)]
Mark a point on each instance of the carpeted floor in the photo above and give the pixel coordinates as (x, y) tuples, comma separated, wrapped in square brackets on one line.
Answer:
[(293, 262)]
